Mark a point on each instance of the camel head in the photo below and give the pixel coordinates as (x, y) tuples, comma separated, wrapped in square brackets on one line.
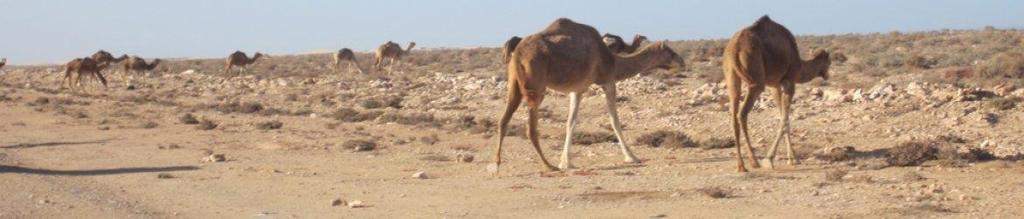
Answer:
[(152, 65), (639, 38), (259, 55), (411, 45), (820, 64), (667, 58), (610, 39)]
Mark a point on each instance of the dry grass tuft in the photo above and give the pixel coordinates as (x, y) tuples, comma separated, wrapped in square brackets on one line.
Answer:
[(715, 192), (269, 125), (188, 119), (912, 153), (663, 138)]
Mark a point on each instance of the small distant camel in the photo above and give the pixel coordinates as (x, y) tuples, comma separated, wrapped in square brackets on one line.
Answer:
[(510, 46), (570, 57), (618, 46), (346, 54), (102, 56), (238, 58), (137, 65), (78, 68), (765, 54), (390, 52)]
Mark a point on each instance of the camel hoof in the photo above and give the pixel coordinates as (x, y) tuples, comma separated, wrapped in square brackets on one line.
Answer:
[(566, 166), (631, 160), (493, 168), (768, 163)]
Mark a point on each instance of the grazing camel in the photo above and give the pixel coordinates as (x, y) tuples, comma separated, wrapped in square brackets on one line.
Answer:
[(765, 54), (617, 45), (346, 54), (510, 46), (569, 57), (391, 52), (78, 68), (238, 58), (138, 65)]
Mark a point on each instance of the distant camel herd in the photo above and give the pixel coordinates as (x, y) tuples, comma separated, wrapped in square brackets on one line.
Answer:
[(570, 57)]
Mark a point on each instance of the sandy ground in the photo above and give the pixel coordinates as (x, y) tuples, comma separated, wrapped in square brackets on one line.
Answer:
[(95, 155)]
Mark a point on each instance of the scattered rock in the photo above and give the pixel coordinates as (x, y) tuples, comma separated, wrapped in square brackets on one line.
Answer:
[(356, 204), (464, 158), (214, 158), (420, 175), (359, 145), (164, 176)]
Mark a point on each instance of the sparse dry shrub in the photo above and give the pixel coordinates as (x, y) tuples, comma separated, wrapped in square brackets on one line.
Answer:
[(188, 119), (1004, 65), (206, 125), (269, 125), (916, 60), (664, 138), (1002, 103), (430, 139), (835, 175), (716, 143), (351, 115), (588, 138), (149, 125), (911, 153)]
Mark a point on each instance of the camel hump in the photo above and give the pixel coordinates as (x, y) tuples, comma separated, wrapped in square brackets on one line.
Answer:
[(764, 18)]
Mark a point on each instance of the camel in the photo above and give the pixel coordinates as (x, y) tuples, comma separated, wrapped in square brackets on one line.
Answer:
[(3, 62), (138, 65), (765, 54), (346, 54), (617, 45), (510, 45), (78, 68), (391, 52), (238, 58), (569, 57)]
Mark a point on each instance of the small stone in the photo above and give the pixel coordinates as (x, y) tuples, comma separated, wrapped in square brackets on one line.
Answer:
[(659, 216), (464, 158), (214, 158), (420, 175), (164, 176), (338, 202), (356, 204)]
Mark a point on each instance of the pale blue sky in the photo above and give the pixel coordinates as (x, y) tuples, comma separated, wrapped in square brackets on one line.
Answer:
[(53, 31)]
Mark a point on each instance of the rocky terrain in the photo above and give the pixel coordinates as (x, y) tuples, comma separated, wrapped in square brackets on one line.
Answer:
[(910, 125)]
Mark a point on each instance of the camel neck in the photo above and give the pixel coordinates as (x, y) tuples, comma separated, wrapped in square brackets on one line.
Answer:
[(808, 71), (631, 65)]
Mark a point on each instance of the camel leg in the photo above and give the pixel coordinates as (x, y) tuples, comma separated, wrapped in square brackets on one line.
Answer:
[(733, 86), (610, 95), (514, 98), (769, 160), (570, 125), (353, 62), (753, 93), (534, 97), (787, 99)]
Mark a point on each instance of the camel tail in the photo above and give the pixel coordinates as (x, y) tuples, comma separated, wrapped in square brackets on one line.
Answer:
[(510, 46)]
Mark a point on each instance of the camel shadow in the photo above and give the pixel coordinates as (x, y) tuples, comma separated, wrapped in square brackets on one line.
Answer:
[(96, 172), (54, 143)]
